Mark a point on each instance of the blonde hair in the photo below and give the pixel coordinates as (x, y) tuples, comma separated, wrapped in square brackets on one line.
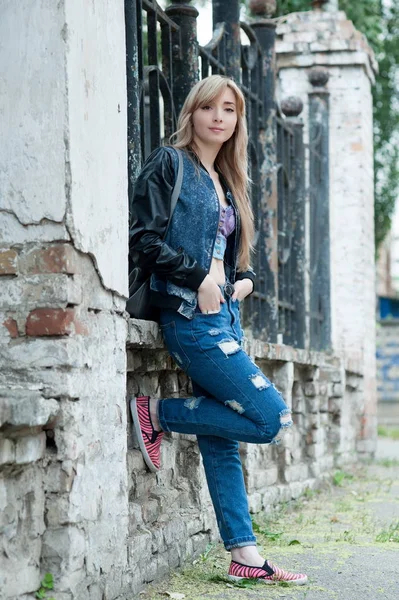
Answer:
[(232, 158)]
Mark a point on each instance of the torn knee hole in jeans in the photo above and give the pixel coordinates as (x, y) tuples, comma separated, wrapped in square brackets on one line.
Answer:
[(229, 347), (285, 423), (177, 358), (193, 402), (235, 406), (213, 332), (259, 381)]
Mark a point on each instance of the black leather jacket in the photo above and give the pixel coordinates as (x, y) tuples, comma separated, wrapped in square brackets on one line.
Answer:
[(182, 259)]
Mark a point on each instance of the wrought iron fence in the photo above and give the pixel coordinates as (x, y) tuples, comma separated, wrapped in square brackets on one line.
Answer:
[(320, 325), (150, 79), (164, 60)]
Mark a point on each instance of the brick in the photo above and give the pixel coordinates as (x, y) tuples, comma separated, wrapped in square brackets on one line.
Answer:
[(53, 321), (49, 290), (20, 408), (8, 262), (66, 544), (30, 448), (357, 147), (61, 258), (12, 327), (7, 451)]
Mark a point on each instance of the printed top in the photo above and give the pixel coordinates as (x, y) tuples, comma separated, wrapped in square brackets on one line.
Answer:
[(227, 223)]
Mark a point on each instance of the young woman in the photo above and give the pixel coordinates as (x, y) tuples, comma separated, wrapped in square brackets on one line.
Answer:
[(200, 273)]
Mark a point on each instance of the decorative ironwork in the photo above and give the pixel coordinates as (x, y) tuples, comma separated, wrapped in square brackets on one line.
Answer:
[(253, 87), (164, 61), (150, 85), (213, 55), (288, 322), (320, 319), (291, 224)]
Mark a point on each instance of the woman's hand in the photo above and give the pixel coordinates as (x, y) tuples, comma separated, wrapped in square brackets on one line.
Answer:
[(242, 289), (209, 296)]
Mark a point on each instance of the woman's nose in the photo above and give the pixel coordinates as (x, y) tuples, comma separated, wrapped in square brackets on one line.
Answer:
[(217, 115)]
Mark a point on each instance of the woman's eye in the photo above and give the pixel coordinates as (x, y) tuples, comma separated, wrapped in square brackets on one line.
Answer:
[(207, 107), (230, 110)]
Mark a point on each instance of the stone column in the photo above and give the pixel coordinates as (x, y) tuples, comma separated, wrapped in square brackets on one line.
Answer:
[(328, 39), (63, 282)]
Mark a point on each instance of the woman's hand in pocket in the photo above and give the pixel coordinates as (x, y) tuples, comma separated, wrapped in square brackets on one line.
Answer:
[(242, 289), (209, 296)]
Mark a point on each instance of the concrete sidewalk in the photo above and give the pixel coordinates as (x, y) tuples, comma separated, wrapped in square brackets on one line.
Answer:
[(346, 538)]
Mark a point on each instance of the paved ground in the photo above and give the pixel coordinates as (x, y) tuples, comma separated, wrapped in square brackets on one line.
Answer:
[(346, 538)]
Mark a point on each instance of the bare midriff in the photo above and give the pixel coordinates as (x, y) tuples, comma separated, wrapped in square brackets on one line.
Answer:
[(217, 266)]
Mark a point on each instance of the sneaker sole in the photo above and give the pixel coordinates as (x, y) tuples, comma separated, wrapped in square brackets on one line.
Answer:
[(136, 423), (236, 579)]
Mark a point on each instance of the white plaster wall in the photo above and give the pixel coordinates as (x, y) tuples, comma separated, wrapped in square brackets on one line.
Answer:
[(32, 110), (96, 72), (352, 208)]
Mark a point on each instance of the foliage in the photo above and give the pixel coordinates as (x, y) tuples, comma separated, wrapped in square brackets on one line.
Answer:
[(379, 21), (47, 583)]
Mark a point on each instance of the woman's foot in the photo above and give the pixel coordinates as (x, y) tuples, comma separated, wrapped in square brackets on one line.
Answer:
[(149, 438), (268, 573)]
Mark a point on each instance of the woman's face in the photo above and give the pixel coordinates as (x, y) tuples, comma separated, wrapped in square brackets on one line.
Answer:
[(215, 122)]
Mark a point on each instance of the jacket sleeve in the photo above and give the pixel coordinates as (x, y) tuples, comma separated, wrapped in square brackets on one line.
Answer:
[(150, 210), (250, 274)]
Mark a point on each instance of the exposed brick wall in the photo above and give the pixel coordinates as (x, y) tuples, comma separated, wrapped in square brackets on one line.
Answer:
[(59, 337)]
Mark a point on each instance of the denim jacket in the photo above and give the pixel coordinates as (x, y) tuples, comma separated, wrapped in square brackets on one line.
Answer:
[(179, 263)]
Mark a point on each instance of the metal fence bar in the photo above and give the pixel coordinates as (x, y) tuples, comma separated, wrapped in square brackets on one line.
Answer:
[(295, 282), (262, 314), (320, 312)]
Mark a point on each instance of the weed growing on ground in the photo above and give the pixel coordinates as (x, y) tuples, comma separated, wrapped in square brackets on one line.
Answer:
[(265, 532), (388, 462), (325, 526), (340, 476), (389, 535), (390, 432)]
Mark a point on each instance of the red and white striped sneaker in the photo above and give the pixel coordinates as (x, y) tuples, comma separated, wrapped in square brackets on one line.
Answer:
[(149, 439), (269, 573)]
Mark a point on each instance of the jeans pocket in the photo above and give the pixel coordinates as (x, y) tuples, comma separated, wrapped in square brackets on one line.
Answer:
[(173, 345)]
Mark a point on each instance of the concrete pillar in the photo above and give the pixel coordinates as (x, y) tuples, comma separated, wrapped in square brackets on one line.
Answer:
[(63, 282), (328, 39)]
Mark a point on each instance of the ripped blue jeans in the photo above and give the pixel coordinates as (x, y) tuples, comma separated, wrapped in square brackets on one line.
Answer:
[(233, 401)]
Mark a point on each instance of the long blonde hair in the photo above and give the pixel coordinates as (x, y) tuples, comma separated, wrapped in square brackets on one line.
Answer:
[(232, 158)]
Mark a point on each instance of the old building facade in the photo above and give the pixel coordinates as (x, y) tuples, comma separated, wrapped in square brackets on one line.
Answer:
[(75, 497)]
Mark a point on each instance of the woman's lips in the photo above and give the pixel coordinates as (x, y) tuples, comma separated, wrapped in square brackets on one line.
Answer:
[(216, 129)]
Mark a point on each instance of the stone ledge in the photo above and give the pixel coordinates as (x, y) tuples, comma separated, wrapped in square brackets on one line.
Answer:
[(146, 334), (143, 334)]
